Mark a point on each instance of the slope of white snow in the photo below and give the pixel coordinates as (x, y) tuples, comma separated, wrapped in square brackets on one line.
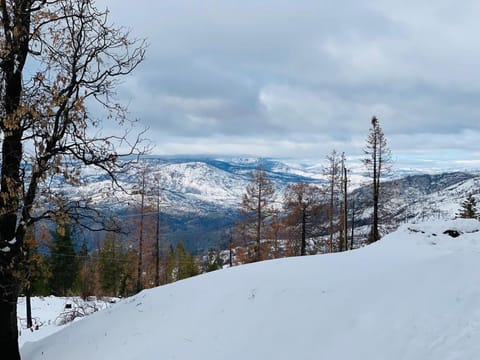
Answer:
[(413, 295)]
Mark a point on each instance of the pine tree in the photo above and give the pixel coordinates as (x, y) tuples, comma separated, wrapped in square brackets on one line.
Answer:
[(185, 263), (128, 283), (63, 261), (468, 209), (38, 261), (86, 279), (110, 265), (213, 261)]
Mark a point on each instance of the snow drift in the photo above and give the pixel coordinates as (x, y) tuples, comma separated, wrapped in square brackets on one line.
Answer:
[(413, 295)]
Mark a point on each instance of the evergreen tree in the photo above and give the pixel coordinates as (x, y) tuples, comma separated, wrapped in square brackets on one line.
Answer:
[(38, 262), (180, 264), (110, 265), (128, 283), (213, 261), (171, 266), (86, 279), (63, 261), (185, 263), (468, 209)]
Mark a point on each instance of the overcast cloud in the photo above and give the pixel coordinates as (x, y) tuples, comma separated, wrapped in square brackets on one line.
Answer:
[(299, 78)]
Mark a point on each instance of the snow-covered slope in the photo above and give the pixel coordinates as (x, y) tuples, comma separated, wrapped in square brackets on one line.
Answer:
[(187, 185), (204, 185), (413, 295)]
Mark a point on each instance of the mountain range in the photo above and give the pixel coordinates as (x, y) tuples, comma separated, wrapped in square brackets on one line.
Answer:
[(199, 197)]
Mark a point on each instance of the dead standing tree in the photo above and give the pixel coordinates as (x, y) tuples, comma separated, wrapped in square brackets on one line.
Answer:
[(332, 173), (378, 163), (257, 206), (301, 204), (76, 58)]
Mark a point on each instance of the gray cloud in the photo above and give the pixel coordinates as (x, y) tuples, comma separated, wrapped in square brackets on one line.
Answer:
[(301, 77)]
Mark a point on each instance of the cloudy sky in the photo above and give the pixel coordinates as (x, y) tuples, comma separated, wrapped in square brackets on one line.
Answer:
[(298, 78)]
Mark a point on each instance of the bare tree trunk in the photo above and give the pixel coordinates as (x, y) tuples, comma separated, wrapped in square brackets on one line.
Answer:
[(304, 233), (258, 256), (230, 252), (353, 224), (157, 242), (345, 208), (28, 305), (140, 237), (330, 214)]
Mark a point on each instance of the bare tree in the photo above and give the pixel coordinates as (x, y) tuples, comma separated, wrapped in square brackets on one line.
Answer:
[(76, 59), (378, 163), (333, 174), (257, 206), (301, 204), (146, 224), (343, 238), (142, 191), (157, 233)]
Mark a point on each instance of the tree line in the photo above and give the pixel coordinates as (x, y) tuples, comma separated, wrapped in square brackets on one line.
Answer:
[(56, 265)]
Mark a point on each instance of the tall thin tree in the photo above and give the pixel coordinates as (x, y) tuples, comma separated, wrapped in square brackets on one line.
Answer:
[(157, 236), (343, 240), (257, 206), (378, 163), (332, 172)]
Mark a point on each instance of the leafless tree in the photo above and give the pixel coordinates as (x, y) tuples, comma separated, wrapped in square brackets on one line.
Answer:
[(378, 163), (301, 205), (257, 206), (343, 239), (333, 174), (76, 59)]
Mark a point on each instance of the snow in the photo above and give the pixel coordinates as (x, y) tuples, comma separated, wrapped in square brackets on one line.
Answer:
[(48, 314), (413, 295)]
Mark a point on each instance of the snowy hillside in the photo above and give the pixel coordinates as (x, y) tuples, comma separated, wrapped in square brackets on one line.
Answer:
[(201, 186), (413, 295), (200, 196)]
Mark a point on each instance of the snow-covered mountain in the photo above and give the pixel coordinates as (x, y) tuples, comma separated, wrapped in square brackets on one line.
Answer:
[(200, 196), (414, 295), (194, 184)]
